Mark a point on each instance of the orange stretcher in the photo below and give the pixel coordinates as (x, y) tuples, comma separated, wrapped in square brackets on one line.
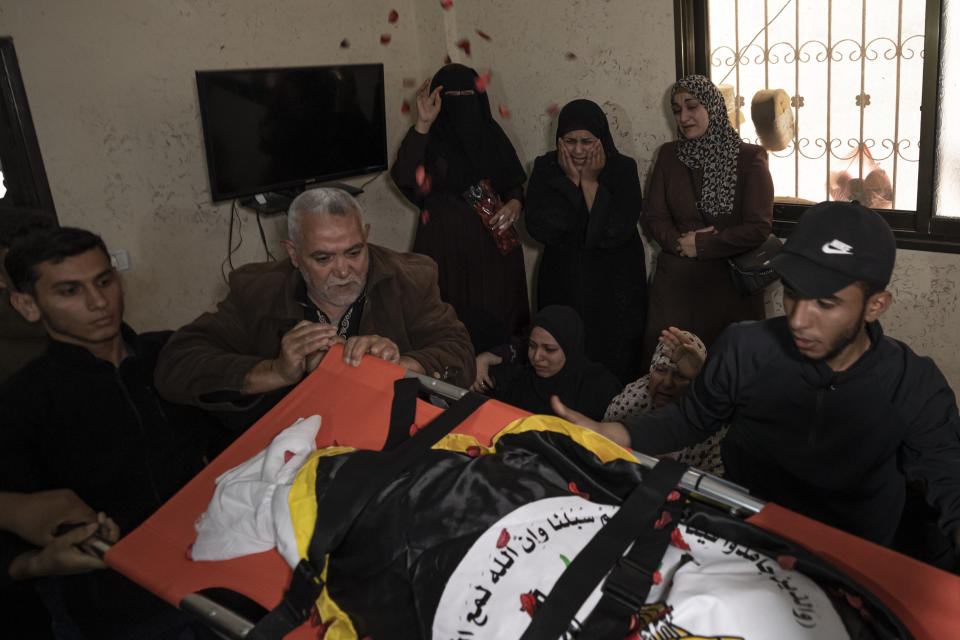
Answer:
[(355, 404)]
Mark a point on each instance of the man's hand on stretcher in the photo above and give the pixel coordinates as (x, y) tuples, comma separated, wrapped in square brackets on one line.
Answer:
[(614, 431), (62, 526), (304, 346)]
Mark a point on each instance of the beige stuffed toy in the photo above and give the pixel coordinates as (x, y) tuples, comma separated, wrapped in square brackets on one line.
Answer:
[(773, 118)]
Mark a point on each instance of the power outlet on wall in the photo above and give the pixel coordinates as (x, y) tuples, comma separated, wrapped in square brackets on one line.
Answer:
[(120, 259)]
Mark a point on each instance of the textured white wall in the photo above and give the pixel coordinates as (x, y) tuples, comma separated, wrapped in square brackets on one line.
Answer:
[(114, 102)]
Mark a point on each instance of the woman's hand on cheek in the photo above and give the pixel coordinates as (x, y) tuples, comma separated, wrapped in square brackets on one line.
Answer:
[(566, 163), (596, 161)]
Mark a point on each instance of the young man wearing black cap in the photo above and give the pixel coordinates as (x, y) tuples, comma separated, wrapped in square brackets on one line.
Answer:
[(827, 414)]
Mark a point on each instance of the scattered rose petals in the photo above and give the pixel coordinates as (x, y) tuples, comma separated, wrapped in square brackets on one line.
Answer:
[(446, 4), (446, 59), (344, 44), (673, 496), (287, 455), (404, 107), (483, 35), (576, 491), (414, 428), (481, 81), (664, 519), (420, 174), (393, 17), (553, 110), (503, 539), (657, 578), (676, 539), (473, 451), (424, 216), (570, 55), (409, 83), (385, 38), (504, 112), (787, 562), (529, 603), (465, 45)]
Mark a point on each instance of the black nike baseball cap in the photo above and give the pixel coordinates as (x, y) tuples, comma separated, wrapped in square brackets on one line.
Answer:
[(834, 245)]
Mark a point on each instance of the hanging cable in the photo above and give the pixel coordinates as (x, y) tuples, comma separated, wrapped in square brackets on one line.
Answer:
[(234, 213)]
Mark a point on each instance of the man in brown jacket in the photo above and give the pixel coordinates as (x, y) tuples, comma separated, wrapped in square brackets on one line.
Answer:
[(280, 318)]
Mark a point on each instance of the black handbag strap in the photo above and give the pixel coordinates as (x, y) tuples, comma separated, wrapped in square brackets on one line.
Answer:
[(634, 522), (360, 477)]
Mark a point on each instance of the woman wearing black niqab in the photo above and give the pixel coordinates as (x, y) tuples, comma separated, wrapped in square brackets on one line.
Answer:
[(583, 203), (454, 145)]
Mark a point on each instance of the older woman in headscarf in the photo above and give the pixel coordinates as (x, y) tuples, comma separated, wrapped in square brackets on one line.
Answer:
[(455, 145), (710, 198), (583, 203), (557, 367), (678, 358)]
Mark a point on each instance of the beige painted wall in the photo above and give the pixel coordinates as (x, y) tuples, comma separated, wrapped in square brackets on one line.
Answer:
[(114, 102)]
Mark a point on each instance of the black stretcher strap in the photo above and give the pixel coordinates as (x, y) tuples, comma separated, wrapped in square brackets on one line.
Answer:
[(634, 522), (360, 477)]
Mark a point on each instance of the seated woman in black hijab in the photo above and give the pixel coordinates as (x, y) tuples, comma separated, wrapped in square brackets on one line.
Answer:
[(583, 203), (455, 145), (557, 367)]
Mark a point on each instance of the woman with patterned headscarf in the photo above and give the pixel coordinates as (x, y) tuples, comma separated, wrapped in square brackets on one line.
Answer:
[(710, 198), (455, 145), (583, 203)]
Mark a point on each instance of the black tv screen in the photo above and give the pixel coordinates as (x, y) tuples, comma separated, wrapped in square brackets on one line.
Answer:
[(273, 129)]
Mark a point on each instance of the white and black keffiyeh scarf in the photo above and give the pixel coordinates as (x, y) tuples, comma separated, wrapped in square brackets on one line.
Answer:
[(715, 151)]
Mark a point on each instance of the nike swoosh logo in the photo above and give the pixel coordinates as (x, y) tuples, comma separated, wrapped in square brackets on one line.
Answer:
[(836, 247)]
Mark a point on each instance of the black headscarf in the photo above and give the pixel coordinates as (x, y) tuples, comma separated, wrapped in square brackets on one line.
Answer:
[(586, 115), (582, 385), (466, 145)]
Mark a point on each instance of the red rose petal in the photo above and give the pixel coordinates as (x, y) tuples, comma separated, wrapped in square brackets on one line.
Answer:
[(190, 552), (424, 216), (465, 45), (483, 35), (344, 44), (446, 4), (409, 83), (473, 452), (553, 110), (529, 603), (673, 496), (570, 55), (414, 428), (404, 107), (576, 491), (323, 628), (855, 601), (385, 38), (315, 619), (420, 174), (657, 578), (393, 17), (787, 562), (664, 519), (503, 539), (504, 112), (287, 455), (676, 539), (481, 82)]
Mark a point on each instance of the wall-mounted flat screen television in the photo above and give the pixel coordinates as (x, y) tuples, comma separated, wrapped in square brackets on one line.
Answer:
[(280, 129)]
